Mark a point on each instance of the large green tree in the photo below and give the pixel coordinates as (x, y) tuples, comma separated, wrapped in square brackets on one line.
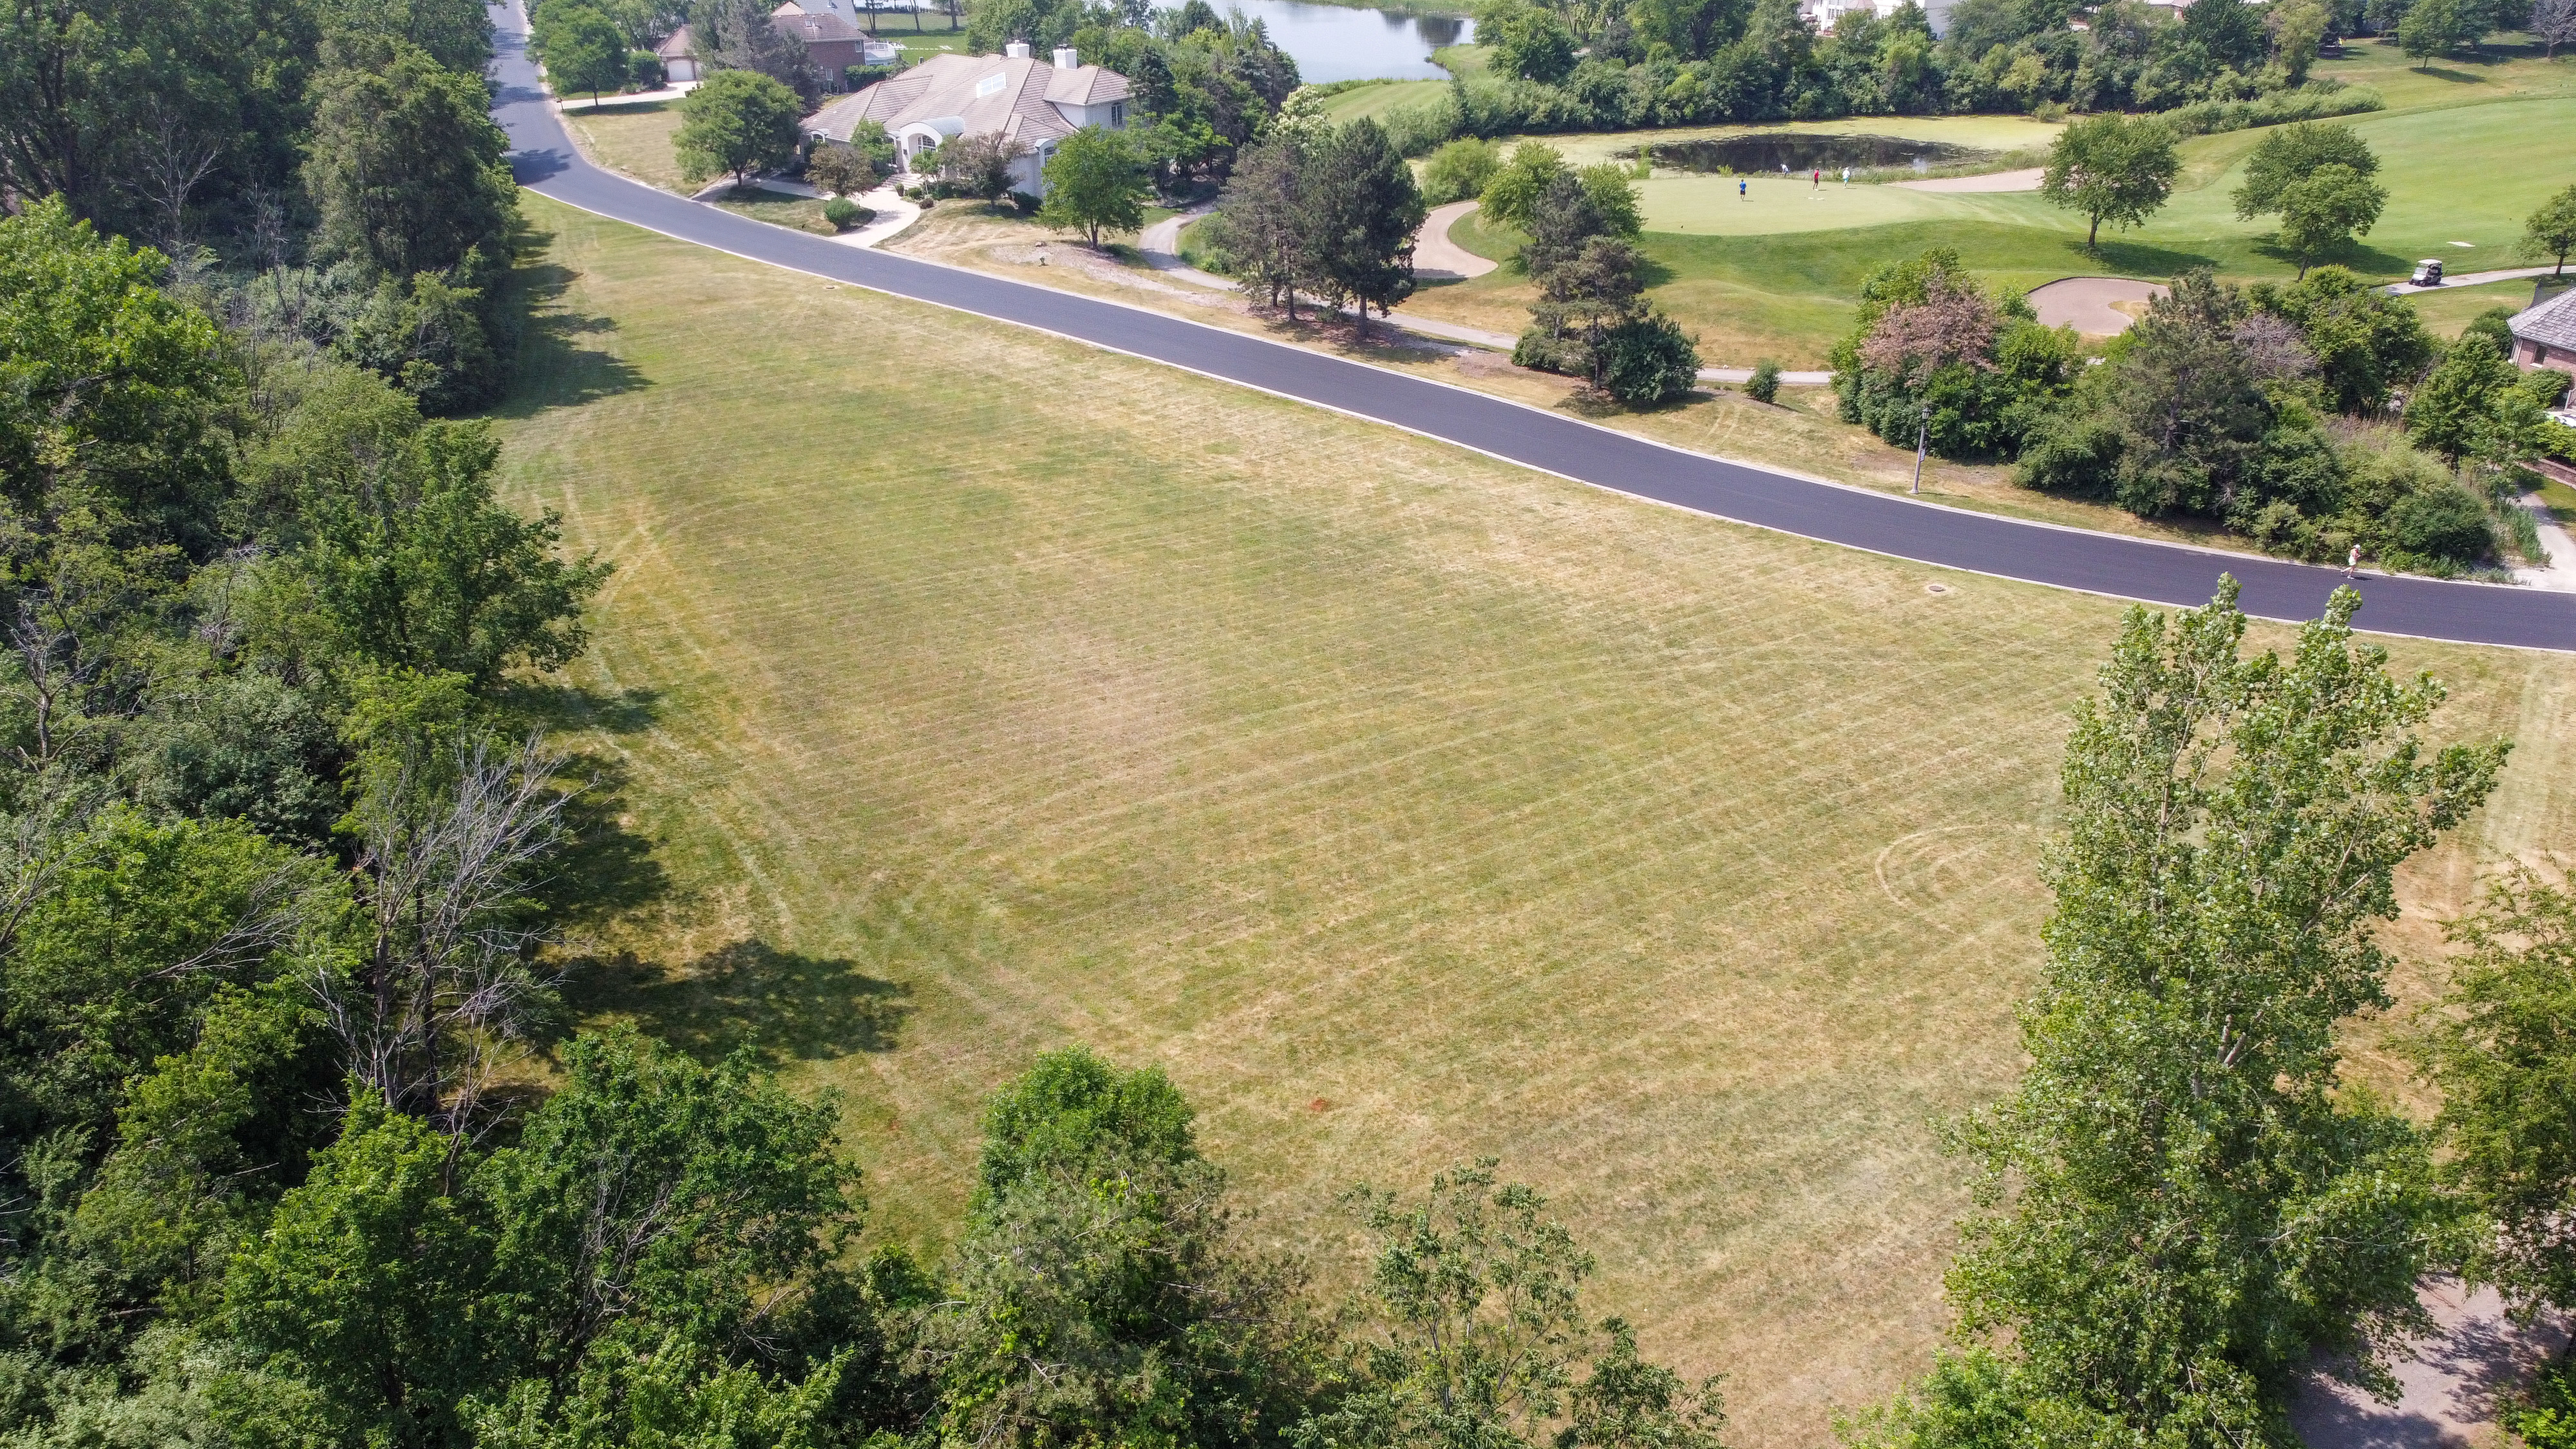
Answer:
[(738, 122), (2365, 341), (403, 556), (405, 166), (139, 114), (111, 392), (2323, 211), (1102, 1292), (1095, 179), (2502, 1046), (2551, 230), (1474, 1333), (2185, 1206), (2287, 154), (657, 1212), (2451, 411), (1362, 209), (2183, 401), (583, 50), (2431, 28), (2111, 168)]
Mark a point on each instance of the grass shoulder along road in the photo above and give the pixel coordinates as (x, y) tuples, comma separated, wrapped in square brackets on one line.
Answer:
[(977, 692), (637, 140)]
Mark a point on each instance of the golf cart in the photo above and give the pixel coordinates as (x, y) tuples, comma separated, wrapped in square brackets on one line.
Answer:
[(2428, 273)]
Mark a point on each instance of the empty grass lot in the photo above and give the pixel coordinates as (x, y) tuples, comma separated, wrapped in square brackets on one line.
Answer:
[(636, 139), (976, 692)]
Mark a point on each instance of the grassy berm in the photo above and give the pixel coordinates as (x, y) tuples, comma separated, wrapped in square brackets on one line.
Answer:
[(978, 692)]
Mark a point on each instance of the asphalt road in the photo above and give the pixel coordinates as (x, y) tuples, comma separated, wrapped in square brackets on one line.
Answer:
[(544, 160)]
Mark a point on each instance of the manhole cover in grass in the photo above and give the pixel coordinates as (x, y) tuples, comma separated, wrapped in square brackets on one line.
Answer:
[(1936, 588)]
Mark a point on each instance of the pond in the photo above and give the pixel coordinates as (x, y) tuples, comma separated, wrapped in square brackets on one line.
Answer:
[(1805, 151), (1336, 42)]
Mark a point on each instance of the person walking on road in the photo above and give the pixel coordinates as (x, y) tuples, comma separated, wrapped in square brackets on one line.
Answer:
[(2352, 561)]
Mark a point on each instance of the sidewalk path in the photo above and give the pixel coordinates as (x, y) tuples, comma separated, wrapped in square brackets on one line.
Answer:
[(582, 104), (544, 160), (2560, 572)]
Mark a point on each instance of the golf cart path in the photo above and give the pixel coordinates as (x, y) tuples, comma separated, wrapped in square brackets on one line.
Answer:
[(1438, 258), (544, 160), (2450, 1384), (2469, 279)]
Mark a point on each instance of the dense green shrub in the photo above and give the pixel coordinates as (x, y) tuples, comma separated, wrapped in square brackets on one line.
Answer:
[(1457, 171), (1649, 359), (1764, 385), (1931, 353)]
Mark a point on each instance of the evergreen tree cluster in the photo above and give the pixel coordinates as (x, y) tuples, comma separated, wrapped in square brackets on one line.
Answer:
[(1591, 319), (1328, 213)]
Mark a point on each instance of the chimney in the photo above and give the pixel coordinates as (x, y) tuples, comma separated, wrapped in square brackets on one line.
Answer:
[(1067, 58), (1017, 50)]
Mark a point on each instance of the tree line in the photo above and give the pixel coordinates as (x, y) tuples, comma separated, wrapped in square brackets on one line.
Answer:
[(328, 169), (1592, 65)]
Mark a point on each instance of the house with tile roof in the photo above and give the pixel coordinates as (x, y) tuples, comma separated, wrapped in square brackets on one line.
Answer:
[(1013, 94), (2544, 333)]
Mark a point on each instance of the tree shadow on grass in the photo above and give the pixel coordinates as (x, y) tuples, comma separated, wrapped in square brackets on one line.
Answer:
[(784, 1005), (2360, 256), (559, 706), (2140, 259), (554, 369), (606, 866)]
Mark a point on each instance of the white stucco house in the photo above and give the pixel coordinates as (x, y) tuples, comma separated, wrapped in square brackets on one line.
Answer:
[(1024, 99), (1823, 13)]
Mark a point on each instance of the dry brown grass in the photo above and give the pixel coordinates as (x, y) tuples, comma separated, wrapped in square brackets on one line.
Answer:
[(635, 139), (979, 693)]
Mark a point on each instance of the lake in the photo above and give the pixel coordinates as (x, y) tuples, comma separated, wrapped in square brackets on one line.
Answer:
[(1336, 43)]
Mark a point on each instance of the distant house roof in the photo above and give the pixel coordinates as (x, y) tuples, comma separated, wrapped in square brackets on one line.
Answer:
[(681, 43), (2552, 323), (973, 95), (816, 23)]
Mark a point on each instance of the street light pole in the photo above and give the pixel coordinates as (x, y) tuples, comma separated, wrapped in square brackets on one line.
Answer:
[(1922, 431)]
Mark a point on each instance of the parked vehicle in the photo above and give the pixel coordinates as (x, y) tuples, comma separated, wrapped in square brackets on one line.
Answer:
[(2428, 273)]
